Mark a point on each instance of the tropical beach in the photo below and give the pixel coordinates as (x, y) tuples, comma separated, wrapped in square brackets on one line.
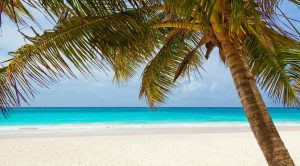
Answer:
[(211, 146), (138, 136), (149, 82)]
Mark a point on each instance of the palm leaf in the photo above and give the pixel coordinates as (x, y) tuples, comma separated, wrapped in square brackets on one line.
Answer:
[(158, 76), (122, 41), (91, 7), (15, 11), (277, 72)]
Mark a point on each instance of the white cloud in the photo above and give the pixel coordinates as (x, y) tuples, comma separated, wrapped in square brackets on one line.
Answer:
[(100, 85), (213, 86), (192, 86)]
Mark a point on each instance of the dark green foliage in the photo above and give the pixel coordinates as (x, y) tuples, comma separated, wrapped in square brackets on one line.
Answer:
[(170, 38)]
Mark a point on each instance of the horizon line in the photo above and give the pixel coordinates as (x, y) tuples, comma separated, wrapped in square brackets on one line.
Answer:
[(145, 107)]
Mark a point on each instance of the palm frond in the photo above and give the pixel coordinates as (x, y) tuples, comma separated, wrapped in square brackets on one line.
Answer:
[(91, 7), (193, 11), (15, 11), (249, 16), (123, 35), (277, 72), (191, 58), (122, 41), (158, 76)]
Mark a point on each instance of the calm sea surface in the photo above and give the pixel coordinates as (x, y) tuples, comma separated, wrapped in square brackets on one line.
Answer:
[(48, 116)]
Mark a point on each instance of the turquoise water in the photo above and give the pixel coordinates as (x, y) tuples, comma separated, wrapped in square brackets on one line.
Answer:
[(47, 116)]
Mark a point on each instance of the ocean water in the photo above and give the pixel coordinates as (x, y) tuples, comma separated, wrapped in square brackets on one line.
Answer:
[(62, 116)]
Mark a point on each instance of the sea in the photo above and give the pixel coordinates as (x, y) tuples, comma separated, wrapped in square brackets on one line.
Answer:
[(137, 116)]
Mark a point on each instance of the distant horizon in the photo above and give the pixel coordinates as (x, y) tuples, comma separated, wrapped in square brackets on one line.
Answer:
[(124, 116), (148, 107)]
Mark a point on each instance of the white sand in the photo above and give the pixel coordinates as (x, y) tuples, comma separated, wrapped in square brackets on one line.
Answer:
[(139, 147)]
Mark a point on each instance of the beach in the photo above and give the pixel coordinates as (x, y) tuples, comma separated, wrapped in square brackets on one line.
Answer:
[(179, 146)]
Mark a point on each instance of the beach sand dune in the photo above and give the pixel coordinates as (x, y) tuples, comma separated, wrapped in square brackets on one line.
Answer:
[(139, 148)]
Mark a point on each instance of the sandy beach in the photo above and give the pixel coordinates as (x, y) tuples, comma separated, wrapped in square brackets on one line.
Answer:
[(210, 146)]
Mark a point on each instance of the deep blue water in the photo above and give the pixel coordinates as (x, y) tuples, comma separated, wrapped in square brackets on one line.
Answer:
[(46, 116)]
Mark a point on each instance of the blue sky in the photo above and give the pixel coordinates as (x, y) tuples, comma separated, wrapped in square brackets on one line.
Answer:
[(214, 89)]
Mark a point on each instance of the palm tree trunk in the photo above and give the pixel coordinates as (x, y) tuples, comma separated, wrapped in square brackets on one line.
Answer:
[(254, 107)]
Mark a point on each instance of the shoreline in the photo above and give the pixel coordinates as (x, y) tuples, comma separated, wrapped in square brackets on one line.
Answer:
[(97, 129)]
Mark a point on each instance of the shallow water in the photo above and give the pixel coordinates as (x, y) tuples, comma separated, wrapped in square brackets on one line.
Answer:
[(132, 115)]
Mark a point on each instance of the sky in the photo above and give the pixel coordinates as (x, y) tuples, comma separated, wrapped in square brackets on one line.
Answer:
[(214, 88)]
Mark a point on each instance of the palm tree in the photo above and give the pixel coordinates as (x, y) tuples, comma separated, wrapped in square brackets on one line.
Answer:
[(172, 38)]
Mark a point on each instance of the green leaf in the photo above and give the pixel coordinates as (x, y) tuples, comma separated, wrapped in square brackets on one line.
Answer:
[(158, 76), (277, 73), (121, 41)]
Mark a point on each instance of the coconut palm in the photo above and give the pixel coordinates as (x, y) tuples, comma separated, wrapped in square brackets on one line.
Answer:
[(171, 39), (15, 11)]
